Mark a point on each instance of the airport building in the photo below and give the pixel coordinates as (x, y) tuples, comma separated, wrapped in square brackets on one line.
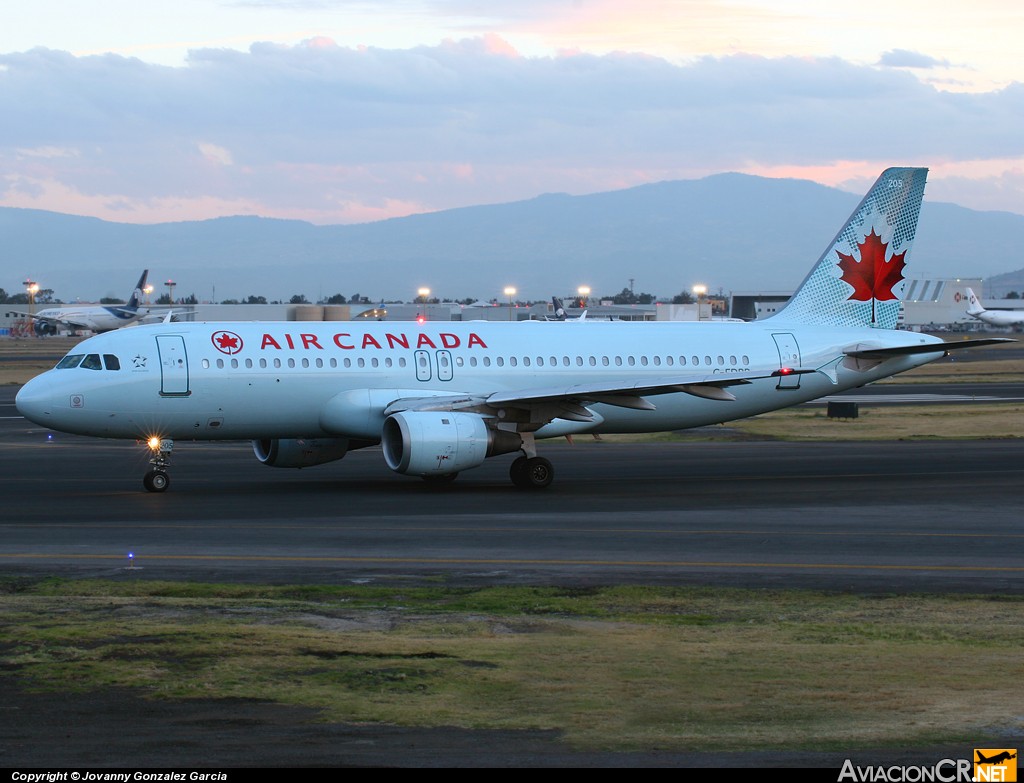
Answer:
[(929, 303)]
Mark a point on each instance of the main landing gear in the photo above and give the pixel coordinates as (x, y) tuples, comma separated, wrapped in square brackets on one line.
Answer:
[(157, 480), (530, 471)]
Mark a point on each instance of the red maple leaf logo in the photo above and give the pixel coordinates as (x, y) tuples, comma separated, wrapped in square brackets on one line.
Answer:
[(227, 342), (872, 277)]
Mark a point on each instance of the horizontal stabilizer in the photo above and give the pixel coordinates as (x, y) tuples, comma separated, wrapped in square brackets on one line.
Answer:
[(910, 350)]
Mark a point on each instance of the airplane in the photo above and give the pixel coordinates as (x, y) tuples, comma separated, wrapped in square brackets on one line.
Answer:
[(441, 398), (996, 759), (993, 317), (99, 318), (559, 312)]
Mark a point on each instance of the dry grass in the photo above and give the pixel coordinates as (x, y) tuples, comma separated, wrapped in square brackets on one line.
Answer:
[(614, 668)]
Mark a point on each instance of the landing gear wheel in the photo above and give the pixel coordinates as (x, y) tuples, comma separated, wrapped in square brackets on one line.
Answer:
[(156, 481), (532, 472), (440, 480), (517, 472)]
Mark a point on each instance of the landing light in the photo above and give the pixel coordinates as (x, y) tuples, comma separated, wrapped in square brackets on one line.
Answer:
[(153, 443)]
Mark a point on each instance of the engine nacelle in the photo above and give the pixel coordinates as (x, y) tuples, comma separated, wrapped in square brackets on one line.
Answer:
[(300, 452), (434, 443)]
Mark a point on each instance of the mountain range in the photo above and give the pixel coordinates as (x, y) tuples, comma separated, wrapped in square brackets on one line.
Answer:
[(731, 232)]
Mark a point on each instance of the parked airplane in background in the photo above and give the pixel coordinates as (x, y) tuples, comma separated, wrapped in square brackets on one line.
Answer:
[(442, 397), (559, 312), (993, 317), (100, 318)]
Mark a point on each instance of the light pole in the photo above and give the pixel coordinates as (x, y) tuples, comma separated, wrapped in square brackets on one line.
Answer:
[(584, 292), (32, 287), (700, 290), (510, 292), (421, 297)]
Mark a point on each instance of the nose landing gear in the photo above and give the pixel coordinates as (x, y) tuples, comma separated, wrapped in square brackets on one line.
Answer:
[(157, 480)]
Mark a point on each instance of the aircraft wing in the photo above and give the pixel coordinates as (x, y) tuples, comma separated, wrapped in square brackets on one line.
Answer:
[(906, 350), (570, 400)]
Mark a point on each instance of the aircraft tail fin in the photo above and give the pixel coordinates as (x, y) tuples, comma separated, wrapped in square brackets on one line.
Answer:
[(559, 309), (136, 298), (858, 281), (973, 304)]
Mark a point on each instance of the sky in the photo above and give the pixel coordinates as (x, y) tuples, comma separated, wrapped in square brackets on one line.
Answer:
[(345, 112)]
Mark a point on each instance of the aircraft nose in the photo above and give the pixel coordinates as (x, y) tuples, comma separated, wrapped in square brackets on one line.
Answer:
[(35, 400)]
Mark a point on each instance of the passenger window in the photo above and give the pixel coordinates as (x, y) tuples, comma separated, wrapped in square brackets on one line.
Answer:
[(334, 362), (263, 363), (487, 361), (643, 360), (707, 359), (387, 362), (220, 364), (360, 362), (320, 362), (721, 360), (305, 362), (732, 360), (248, 363), (374, 362), (631, 361), (657, 361), (745, 359), (618, 361), (499, 361), (291, 363), (472, 361), (593, 361), (234, 364), (206, 364), (277, 364), (401, 361), (604, 361), (669, 360), (111, 361), (579, 361), (72, 360), (92, 362), (526, 361), (696, 360)]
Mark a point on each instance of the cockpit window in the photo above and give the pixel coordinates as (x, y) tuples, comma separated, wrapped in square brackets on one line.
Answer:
[(111, 361), (69, 361), (92, 362)]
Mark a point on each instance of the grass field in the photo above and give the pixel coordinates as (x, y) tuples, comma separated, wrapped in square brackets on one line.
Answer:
[(614, 668)]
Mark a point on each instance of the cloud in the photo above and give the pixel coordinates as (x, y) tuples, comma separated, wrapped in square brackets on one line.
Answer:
[(901, 58), (332, 133)]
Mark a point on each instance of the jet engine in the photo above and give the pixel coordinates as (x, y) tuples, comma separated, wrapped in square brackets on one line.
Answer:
[(302, 452), (438, 443)]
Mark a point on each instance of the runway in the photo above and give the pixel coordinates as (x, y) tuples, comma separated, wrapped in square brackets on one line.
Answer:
[(894, 516)]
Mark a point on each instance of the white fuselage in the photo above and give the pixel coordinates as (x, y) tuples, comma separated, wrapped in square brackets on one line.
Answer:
[(1000, 317), (96, 319), (295, 379)]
